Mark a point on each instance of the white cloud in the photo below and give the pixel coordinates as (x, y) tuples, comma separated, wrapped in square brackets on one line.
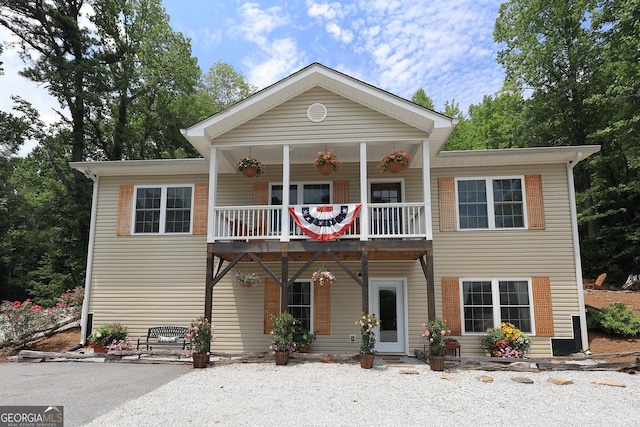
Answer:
[(323, 10), (342, 35), (258, 23)]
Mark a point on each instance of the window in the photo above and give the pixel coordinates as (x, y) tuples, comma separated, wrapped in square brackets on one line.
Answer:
[(163, 209), (490, 203), (310, 194), (299, 303), (488, 302)]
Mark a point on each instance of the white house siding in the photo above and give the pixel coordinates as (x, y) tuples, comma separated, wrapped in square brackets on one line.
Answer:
[(345, 121), (145, 280), (521, 253)]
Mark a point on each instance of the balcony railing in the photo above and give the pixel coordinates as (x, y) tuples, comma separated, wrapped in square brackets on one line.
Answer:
[(386, 221)]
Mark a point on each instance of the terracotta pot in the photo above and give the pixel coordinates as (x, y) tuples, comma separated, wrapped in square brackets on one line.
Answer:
[(250, 171), (200, 360), (98, 348), (395, 167), (304, 349), (282, 357), (436, 363), (325, 169), (366, 361)]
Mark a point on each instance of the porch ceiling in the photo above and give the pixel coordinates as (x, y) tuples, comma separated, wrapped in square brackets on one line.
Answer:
[(388, 250)]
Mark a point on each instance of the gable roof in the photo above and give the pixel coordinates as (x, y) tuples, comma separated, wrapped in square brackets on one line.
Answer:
[(436, 125)]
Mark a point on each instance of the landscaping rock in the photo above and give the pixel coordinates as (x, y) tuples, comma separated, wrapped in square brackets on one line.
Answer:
[(522, 380), (609, 383), (560, 381), (485, 378), (448, 377)]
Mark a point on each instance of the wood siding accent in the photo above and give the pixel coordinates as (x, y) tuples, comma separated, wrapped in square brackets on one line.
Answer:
[(322, 309), (542, 306), (447, 204), (271, 303), (260, 193), (200, 208), (340, 191), (535, 203), (125, 205), (451, 304)]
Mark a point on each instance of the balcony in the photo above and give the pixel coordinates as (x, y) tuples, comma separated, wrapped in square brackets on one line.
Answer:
[(264, 223)]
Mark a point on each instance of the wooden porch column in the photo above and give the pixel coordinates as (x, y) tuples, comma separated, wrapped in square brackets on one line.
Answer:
[(284, 294), (208, 295), (427, 270), (365, 281)]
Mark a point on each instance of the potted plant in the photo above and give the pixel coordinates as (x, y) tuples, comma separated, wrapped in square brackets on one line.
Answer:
[(395, 162), (323, 276), (303, 338), (368, 340), (327, 162), (506, 341), (249, 167), (435, 332), (246, 278), (200, 334), (103, 336), (282, 337)]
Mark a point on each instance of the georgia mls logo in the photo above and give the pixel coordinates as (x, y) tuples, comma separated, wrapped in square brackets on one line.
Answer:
[(31, 416)]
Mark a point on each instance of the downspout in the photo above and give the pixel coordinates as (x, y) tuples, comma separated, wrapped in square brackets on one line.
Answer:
[(576, 251), (89, 272)]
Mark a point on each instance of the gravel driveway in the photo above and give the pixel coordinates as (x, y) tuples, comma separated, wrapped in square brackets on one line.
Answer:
[(319, 394)]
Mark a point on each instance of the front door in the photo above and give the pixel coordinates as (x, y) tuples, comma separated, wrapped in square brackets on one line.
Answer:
[(388, 305), (386, 221)]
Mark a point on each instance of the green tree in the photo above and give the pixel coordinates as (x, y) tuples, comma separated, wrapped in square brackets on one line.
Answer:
[(421, 98)]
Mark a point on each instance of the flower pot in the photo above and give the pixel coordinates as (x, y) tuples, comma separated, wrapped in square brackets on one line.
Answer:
[(325, 169), (250, 171), (304, 349), (436, 363), (395, 167), (366, 361), (98, 348), (200, 360), (282, 357)]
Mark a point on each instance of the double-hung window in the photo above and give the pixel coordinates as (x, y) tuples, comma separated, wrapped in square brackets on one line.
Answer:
[(490, 203), (488, 302), (299, 302), (306, 194), (163, 209)]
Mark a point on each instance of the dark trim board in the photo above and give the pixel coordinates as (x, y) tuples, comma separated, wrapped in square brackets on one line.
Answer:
[(567, 346)]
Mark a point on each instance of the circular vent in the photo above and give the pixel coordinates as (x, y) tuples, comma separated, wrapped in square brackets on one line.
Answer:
[(317, 112)]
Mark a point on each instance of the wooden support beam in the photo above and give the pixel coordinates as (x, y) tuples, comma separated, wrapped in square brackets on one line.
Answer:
[(265, 268), (284, 294), (427, 270), (305, 266), (346, 269), (365, 281), (208, 293)]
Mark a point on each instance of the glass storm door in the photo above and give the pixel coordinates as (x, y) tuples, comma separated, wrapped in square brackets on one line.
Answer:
[(388, 306)]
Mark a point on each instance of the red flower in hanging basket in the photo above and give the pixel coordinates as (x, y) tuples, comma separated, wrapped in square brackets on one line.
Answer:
[(249, 163), (395, 162), (327, 158)]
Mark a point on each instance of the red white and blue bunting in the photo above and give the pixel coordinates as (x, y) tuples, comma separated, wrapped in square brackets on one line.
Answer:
[(325, 222)]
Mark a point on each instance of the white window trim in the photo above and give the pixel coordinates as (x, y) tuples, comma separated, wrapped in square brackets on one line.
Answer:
[(301, 185), (386, 181), (312, 303), (163, 208), (490, 203), (495, 297)]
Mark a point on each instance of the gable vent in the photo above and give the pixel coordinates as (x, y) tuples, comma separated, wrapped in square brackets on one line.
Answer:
[(317, 112)]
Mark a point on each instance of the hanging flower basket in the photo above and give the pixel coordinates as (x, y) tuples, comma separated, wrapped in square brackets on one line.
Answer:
[(246, 278), (249, 167), (395, 162), (327, 162), (323, 276)]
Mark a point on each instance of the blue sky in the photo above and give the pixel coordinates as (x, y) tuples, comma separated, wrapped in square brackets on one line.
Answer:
[(445, 47)]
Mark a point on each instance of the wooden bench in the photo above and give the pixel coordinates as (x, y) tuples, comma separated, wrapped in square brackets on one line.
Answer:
[(165, 337)]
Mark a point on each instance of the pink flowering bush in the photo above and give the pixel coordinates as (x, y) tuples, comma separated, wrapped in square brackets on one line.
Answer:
[(435, 332), (120, 345), (285, 327), (323, 277), (200, 334), (367, 323)]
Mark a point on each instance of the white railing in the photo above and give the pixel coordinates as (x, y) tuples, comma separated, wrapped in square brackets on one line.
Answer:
[(386, 221)]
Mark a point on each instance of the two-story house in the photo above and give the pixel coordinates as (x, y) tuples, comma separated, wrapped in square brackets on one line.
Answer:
[(475, 237)]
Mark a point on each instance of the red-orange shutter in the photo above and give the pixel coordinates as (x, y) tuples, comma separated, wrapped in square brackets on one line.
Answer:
[(260, 197), (535, 202), (543, 311), (200, 208), (271, 303), (340, 192), (451, 304), (447, 203), (322, 309), (125, 206)]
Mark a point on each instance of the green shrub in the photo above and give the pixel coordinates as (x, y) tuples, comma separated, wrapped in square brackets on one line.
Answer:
[(617, 319)]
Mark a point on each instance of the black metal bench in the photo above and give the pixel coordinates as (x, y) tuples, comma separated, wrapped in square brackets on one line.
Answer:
[(165, 337)]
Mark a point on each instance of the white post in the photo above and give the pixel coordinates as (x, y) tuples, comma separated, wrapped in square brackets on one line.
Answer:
[(213, 182), (284, 214), (426, 190), (364, 193), (92, 238)]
